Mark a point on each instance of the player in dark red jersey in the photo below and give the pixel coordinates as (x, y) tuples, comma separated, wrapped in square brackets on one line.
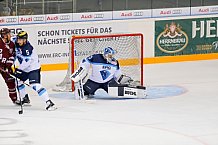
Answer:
[(7, 57)]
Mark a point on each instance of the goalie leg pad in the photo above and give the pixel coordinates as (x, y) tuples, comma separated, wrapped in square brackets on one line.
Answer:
[(79, 92), (127, 92)]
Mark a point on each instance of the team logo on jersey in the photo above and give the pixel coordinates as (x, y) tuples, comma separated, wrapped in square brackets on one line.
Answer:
[(106, 67), (105, 74), (173, 39)]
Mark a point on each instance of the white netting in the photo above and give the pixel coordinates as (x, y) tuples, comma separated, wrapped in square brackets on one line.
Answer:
[(128, 52)]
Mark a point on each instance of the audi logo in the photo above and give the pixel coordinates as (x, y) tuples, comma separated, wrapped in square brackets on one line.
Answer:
[(138, 14), (38, 18), (99, 16), (214, 9), (177, 11), (65, 17), (11, 20)]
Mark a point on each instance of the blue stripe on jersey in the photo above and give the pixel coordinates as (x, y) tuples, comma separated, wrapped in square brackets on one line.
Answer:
[(34, 88), (22, 86), (95, 63), (41, 91), (106, 64)]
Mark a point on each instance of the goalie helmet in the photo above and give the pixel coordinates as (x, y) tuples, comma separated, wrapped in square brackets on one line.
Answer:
[(109, 53)]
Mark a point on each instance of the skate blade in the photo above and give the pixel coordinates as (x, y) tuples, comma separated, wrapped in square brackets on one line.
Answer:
[(27, 105), (52, 109)]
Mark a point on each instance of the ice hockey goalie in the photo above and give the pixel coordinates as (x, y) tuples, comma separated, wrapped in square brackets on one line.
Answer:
[(106, 75)]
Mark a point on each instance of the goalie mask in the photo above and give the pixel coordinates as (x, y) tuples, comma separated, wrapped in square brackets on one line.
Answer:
[(108, 54)]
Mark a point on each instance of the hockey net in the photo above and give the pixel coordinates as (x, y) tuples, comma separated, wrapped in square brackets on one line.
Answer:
[(129, 53)]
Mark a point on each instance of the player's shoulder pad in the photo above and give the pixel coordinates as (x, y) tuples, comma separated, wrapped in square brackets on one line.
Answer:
[(96, 58), (27, 50), (93, 58)]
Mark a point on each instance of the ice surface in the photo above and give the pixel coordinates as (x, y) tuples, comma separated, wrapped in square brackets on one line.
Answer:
[(182, 110)]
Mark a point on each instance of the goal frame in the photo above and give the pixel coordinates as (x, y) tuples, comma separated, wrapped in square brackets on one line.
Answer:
[(74, 37)]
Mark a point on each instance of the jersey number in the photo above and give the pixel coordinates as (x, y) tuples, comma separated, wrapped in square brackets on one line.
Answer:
[(0, 53), (27, 52)]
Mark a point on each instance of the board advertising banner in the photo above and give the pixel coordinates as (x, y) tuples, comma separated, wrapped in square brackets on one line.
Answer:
[(186, 36), (52, 41)]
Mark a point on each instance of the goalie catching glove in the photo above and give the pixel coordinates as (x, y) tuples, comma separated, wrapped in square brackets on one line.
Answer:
[(124, 79)]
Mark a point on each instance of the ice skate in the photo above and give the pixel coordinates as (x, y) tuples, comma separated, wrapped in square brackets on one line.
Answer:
[(50, 106)]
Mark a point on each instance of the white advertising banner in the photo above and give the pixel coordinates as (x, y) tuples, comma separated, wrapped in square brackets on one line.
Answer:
[(204, 10), (170, 12), (52, 40), (52, 18), (31, 19), (131, 14), (8, 20), (92, 16)]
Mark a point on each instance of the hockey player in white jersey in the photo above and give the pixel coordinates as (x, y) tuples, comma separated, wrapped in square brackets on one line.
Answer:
[(105, 71), (29, 69)]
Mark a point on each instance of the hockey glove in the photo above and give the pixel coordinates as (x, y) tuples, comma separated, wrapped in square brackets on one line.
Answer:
[(1, 69), (18, 73), (9, 62)]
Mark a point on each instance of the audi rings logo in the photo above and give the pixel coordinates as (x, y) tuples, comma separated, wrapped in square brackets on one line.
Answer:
[(138, 14), (179, 11), (214, 9), (65, 17), (99, 16), (11, 20), (38, 19)]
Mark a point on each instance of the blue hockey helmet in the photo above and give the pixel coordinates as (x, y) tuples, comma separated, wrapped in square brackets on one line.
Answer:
[(109, 50), (109, 53)]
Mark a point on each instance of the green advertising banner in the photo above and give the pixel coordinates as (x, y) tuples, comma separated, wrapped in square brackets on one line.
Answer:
[(186, 36)]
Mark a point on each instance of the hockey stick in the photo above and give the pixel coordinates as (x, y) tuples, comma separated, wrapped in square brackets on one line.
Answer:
[(13, 76), (21, 105)]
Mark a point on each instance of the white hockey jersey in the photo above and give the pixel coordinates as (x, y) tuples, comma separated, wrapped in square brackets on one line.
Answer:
[(102, 71), (27, 57)]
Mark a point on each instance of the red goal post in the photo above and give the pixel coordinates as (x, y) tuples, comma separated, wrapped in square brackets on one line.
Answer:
[(129, 48)]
